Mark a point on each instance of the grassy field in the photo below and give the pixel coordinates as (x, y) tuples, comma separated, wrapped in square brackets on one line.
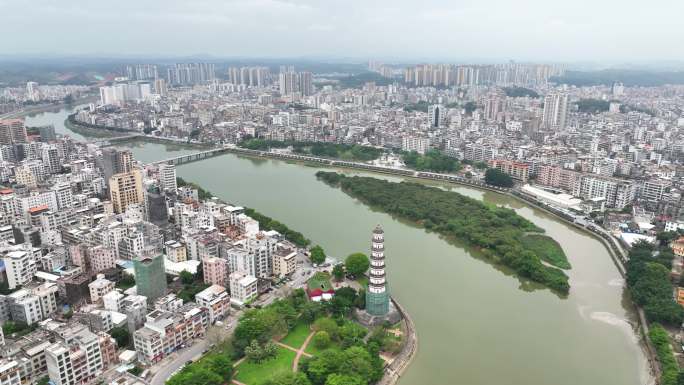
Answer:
[(297, 336), (313, 350), (547, 249), (320, 281), (254, 374)]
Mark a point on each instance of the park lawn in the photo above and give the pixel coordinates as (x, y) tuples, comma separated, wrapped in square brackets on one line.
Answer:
[(320, 281), (251, 373), (547, 249), (297, 336), (314, 351)]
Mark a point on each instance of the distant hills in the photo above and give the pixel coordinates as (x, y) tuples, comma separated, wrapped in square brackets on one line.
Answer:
[(627, 77)]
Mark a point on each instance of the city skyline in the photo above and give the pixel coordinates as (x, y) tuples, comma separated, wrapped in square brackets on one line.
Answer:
[(438, 30)]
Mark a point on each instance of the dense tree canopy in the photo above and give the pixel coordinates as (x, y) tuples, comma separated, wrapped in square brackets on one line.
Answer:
[(496, 177), (356, 264), (268, 223), (122, 336), (353, 152), (517, 92), (338, 272), (213, 369), (668, 364), (355, 364), (648, 279), (317, 255), (263, 324), (593, 106), (496, 231), (433, 160), (288, 378)]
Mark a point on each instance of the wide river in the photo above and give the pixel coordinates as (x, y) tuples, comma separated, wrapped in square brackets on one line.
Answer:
[(477, 324)]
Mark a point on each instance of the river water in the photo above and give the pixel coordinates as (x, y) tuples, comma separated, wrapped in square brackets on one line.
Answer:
[(477, 323)]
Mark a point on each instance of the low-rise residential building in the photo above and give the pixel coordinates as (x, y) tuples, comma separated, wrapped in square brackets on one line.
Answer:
[(215, 271), (175, 251), (169, 302), (10, 373), (678, 246), (165, 332), (20, 266), (216, 299), (517, 170), (32, 305), (99, 287), (77, 359), (284, 261), (243, 287)]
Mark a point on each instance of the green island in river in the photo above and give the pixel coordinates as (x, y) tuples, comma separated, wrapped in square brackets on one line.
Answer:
[(500, 234)]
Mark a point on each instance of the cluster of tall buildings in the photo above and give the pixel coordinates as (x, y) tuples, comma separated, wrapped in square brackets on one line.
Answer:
[(125, 92), (142, 72), (447, 75), (291, 82), (185, 74), (250, 76)]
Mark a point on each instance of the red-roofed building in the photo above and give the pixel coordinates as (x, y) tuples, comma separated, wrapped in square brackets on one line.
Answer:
[(38, 209), (318, 295)]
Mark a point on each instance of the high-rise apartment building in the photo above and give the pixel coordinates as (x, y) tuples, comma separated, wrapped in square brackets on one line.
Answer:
[(291, 82), (287, 83), (47, 133), (142, 72), (437, 115), (555, 110), (32, 92), (191, 73), (167, 177), (160, 87), (150, 276), (436, 75), (115, 161), (126, 189), (305, 83), (124, 92), (249, 76), (12, 131)]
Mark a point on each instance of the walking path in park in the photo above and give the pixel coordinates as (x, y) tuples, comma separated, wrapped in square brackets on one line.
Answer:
[(300, 352)]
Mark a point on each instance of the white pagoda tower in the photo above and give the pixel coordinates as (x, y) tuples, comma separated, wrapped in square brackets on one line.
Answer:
[(377, 295)]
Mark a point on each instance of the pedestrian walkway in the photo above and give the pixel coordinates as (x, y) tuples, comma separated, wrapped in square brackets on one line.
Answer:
[(300, 352)]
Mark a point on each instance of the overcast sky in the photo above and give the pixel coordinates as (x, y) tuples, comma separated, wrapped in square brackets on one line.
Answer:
[(541, 30)]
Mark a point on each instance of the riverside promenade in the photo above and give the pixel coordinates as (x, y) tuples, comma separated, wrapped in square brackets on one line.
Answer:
[(394, 370)]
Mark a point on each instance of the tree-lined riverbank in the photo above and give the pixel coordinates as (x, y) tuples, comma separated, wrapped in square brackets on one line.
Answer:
[(498, 233)]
